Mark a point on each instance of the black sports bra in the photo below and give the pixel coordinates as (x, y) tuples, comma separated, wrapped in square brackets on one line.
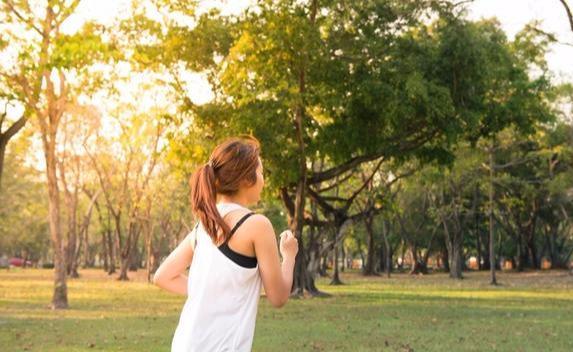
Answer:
[(240, 259)]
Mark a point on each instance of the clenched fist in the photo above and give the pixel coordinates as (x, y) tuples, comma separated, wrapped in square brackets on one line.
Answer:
[(288, 244)]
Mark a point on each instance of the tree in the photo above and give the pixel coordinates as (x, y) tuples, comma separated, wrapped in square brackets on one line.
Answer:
[(456, 203), (77, 125), (40, 84), (23, 214), (124, 168), (312, 72), (415, 224)]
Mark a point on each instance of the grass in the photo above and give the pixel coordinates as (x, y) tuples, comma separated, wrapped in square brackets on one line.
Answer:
[(530, 311)]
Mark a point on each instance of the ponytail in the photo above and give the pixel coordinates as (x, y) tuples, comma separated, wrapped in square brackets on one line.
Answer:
[(233, 161), (204, 201)]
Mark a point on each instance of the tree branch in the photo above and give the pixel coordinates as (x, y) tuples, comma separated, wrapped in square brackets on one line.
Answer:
[(569, 14), (337, 170), (13, 129), (27, 21), (65, 12), (402, 147), (355, 194), (334, 184)]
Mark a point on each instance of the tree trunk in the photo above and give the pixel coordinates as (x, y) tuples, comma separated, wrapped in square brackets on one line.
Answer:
[(343, 251), (123, 266), (71, 249), (111, 246), (454, 244), (77, 254), (521, 256), (456, 262), (104, 250), (534, 260), (485, 253), (381, 259), (387, 248), (3, 144), (370, 267), (446, 259), (149, 262), (88, 262), (119, 251), (559, 259), (135, 257), (300, 269), (324, 266), (478, 242), (48, 124), (493, 279), (532, 251), (60, 295), (314, 258), (303, 280), (84, 233), (335, 277), (135, 261), (125, 259), (127, 252)]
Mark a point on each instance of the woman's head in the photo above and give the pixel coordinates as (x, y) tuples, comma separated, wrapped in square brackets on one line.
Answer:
[(234, 170)]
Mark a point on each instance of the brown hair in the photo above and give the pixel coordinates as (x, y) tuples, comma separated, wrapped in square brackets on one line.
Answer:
[(232, 161)]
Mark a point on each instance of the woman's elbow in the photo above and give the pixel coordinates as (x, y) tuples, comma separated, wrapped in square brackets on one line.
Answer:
[(279, 302), (157, 279)]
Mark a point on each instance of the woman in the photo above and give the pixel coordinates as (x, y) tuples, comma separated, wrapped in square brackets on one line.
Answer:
[(231, 251)]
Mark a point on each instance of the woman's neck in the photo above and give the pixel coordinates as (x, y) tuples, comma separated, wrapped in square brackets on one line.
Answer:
[(232, 199)]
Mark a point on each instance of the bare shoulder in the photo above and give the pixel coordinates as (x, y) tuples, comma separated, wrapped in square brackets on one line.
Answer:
[(259, 222), (255, 225), (263, 236), (259, 229)]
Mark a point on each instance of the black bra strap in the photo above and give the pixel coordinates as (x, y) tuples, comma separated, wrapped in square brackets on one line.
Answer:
[(239, 224), (238, 258)]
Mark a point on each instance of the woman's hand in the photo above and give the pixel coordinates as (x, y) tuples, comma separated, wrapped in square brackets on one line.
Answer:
[(288, 245)]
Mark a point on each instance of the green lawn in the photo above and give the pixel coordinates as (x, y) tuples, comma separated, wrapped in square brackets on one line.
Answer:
[(529, 312)]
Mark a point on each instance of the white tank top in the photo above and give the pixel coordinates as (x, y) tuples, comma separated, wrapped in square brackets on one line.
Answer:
[(223, 292)]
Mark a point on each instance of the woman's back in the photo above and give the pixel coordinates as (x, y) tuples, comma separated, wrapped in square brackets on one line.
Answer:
[(225, 280), (223, 294)]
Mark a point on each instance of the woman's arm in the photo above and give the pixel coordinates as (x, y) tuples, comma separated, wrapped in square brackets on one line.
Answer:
[(170, 274), (277, 277)]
